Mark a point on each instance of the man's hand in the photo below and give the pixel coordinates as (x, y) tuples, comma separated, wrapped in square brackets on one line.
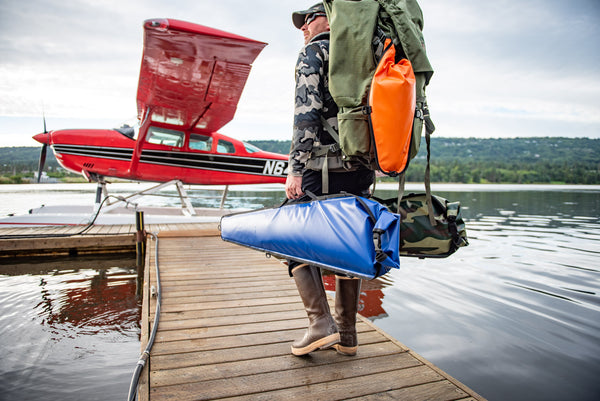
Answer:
[(293, 187)]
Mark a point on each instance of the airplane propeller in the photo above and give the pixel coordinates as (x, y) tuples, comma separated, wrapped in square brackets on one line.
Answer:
[(42, 160)]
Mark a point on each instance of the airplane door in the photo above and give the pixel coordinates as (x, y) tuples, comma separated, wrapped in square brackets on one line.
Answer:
[(161, 155)]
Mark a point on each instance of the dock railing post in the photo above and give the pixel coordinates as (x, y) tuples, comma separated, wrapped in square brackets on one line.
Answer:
[(140, 251)]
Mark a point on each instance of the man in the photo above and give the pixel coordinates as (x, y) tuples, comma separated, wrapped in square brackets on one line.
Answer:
[(313, 105)]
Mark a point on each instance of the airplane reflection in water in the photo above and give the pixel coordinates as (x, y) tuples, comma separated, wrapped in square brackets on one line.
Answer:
[(104, 299), (104, 302), (88, 301)]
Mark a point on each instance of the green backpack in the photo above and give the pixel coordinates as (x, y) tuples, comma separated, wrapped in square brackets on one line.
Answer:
[(358, 32), (355, 26), (431, 226)]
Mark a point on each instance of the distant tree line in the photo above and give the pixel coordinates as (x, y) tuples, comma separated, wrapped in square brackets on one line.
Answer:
[(510, 160), (18, 164), (462, 160)]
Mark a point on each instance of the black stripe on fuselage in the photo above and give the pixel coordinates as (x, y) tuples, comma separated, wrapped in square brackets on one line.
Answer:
[(94, 151), (204, 161), (209, 161)]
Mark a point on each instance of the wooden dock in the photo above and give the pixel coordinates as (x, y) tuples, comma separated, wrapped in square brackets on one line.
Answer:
[(68, 240), (228, 318)]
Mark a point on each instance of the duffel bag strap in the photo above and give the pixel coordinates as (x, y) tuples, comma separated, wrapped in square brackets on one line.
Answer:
[(401, 183), (429, 127)]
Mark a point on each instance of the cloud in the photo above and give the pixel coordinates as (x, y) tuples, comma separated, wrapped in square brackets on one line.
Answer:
[(511, 69), (502, 68)]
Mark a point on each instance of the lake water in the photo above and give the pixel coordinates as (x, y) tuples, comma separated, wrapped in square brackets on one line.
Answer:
[(69, 328), (515, 315)]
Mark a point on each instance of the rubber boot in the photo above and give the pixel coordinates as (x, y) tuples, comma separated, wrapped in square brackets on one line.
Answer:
[(322, 332), (347, 294)]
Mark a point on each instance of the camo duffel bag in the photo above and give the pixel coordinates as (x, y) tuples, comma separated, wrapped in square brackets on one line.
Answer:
[(418, 237)]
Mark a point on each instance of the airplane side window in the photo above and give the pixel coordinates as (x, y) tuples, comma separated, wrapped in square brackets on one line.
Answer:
[(163, 136), (200, 142), (225, 147)]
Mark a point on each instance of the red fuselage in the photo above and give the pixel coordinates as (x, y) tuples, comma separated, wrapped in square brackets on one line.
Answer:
[(166, 154)]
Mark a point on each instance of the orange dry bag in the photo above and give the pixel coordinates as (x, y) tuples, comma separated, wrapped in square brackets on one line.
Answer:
[(392, 103)]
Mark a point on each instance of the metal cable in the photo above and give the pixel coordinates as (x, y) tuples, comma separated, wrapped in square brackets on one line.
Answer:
[(146, 353), (80, 232)]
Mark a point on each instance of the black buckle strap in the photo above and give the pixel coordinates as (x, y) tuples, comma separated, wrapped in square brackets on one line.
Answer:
[(380, 256)]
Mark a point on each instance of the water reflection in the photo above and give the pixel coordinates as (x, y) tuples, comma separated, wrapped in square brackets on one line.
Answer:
[(370, 304), (516, 314), (69, 327), (90, 301)]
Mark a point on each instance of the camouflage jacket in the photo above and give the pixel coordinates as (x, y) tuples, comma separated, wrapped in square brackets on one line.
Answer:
[(312, 100)]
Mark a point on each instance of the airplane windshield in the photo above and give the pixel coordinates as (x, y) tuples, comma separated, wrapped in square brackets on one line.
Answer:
[(164, 136), (251, 148), (129, 128)]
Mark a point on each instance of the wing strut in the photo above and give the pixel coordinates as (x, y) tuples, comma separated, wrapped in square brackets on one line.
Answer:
[(137, 151), (186, 205)]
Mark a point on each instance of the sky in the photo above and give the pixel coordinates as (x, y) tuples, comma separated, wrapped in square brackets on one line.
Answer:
[(503, 68)]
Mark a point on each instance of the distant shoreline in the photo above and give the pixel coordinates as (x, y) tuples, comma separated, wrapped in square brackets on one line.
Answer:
[(386, 186)]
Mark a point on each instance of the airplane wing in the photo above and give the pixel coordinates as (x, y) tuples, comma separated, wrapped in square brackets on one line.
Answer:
[(192, 75)]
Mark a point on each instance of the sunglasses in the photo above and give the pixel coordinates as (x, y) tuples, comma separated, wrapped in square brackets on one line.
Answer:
[(311, 17)]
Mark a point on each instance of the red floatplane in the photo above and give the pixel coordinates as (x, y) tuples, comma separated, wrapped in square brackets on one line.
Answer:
[(191, 80)]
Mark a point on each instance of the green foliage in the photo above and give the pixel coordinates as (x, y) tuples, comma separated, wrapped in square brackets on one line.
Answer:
[(18, 165), (464, 160), (514, 160), (24, 159)]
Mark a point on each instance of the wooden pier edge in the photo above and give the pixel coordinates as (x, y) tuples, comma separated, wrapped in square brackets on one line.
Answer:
[(457, 383), (144, 387)]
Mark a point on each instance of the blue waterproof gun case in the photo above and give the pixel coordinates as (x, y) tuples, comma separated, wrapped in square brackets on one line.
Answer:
[(342, 233)]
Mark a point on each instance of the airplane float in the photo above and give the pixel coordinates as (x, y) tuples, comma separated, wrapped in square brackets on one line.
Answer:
[(191, 79)]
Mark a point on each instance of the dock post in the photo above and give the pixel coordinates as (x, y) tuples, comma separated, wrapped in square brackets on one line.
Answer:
[(140, 251), (225, 191), (98, 197)]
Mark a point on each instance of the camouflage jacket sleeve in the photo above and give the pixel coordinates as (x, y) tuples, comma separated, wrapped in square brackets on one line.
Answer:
[(309, 94)]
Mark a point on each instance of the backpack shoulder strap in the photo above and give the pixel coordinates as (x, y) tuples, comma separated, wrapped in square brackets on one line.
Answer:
[(323, 151), (331, 131)]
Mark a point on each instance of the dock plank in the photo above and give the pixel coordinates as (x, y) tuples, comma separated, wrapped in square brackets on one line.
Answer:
[(228, 318)]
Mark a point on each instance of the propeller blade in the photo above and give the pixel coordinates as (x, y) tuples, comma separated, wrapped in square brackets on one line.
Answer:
[(42, 161)]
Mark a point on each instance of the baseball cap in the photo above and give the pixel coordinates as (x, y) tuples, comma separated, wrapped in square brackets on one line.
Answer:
[(299, 16)]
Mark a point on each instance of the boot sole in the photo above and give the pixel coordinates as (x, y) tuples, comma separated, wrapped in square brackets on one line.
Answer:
[(325, 342), (349, 351)]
